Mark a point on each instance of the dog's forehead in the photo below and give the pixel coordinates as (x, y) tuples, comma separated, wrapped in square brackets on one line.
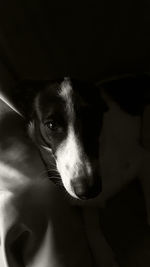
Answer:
[(55, 96), (81, 93), (65, 95), (66, 89), (53, 92)]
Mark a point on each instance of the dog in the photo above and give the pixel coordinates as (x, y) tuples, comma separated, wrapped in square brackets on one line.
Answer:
[(65, 119)]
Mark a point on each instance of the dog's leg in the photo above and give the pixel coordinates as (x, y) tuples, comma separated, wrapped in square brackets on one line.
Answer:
[(101, 251)]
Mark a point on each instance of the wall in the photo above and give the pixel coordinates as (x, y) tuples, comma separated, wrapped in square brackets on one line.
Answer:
[(45, 39)]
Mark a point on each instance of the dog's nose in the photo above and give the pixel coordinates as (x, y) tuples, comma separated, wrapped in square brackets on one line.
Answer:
[(84, 191)]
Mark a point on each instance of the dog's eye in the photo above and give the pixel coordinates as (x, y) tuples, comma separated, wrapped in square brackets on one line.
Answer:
[(52, 125)]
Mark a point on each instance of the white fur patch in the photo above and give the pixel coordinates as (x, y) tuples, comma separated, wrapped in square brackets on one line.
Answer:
[(66, 93), (48, 149), (66, 89), (71, 162)]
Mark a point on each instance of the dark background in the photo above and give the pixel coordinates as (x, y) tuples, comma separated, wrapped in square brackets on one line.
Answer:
[(91, 41), (46, 39)]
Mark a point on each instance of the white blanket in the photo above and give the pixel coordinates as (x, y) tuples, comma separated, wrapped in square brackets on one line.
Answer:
[(38, 228)]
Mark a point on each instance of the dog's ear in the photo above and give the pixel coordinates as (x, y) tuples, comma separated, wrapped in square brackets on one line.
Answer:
[(130, 93), (91, 92), (21, 97), (100, 97)]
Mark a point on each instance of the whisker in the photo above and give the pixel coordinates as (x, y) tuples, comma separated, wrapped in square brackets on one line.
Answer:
[(59, 183), (52, 164), (54, 179), (54, 171), (49, 173), (43, 173)]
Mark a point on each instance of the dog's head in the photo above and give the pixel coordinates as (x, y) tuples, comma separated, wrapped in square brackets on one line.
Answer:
[(65, 122)]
